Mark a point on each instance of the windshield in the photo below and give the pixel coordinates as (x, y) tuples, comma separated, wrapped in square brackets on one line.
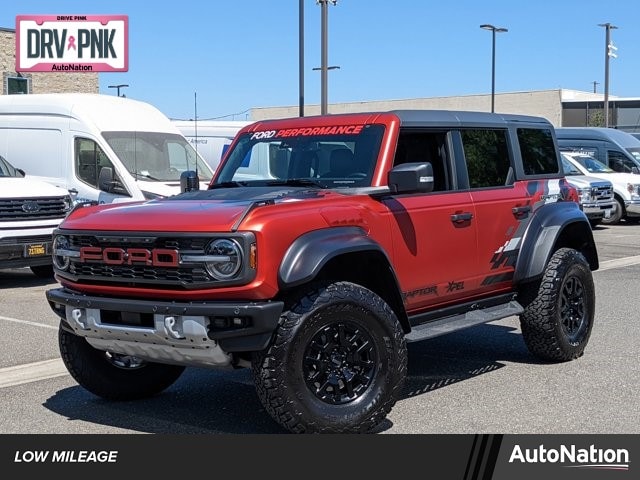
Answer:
[(569, 168), (325, 157), (591, 164), (156, 156), (635, 151)]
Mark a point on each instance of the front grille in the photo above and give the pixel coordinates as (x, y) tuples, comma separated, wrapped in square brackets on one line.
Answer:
[(602, 193), (20, 209), (124, 269), (25, 240)]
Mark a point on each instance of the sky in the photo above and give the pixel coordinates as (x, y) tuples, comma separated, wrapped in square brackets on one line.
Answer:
[(220, 58)]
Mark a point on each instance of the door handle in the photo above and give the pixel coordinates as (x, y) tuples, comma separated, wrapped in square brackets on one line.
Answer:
[(520, 212), (461, 217)]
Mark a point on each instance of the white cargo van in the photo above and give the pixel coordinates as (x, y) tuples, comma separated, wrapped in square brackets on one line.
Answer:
[(98, 147), (210, 137)]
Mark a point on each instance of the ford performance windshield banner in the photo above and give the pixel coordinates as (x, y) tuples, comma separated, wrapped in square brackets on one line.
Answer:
[(72, 43)]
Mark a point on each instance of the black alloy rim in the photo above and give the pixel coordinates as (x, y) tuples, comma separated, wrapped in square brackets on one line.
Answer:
[(340, 363), (573, 309)]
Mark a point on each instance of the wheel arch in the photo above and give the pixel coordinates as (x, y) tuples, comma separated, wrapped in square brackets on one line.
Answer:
[(549, 230), (342, 253)]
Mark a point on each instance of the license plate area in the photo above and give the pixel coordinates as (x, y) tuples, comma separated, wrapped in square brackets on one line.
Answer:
[(35, 250), (128, 319)]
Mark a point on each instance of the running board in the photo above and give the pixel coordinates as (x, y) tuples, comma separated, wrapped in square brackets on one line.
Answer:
[(468, 319)]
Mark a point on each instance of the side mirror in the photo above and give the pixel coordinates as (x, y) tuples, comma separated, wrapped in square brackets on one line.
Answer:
[(411, 177), (635, 170), (189, 181), (105, 179)]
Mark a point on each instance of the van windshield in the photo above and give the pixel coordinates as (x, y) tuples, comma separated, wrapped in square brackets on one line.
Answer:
[(156, 156), (322, 156), (635, 151)]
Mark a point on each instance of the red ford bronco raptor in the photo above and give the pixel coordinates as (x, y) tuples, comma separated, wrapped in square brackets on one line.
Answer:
[(321, 247)]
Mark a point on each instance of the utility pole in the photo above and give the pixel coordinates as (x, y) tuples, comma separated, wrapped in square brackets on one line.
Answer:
[(609, 51), (301, 54), (594, 85), (324, 4)]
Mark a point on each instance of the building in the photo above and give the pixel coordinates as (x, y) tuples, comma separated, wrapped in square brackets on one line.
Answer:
[(562, 107), (38, 82)]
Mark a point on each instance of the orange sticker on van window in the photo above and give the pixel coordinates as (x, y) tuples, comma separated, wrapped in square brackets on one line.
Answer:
[(308, 131)]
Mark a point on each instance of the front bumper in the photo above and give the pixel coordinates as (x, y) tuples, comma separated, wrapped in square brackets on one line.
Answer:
[(183, 333), (595, 211), (632, 207), (17, 252)]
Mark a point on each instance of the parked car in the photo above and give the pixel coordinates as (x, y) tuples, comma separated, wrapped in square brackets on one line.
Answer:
[(626, 186), (596, 194), (29, 211)]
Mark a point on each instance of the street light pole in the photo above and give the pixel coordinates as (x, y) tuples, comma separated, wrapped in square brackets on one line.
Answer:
[(607, 53), (493, 29), (122, 85), (324, 4), (301, 54)]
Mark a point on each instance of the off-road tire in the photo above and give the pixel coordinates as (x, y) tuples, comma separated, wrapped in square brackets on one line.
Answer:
[(42, 271), (334, 332), (556, 324), (93, 370)]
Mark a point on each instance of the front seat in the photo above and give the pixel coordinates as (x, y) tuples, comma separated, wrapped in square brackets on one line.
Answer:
[(340, 163)]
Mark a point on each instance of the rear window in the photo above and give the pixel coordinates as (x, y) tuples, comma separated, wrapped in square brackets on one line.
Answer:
[(538, 151)]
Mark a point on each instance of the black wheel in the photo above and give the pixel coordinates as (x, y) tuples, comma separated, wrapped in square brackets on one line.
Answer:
[(615, 216), (557, 323), (112, 376), (42, 271), (336, 363)]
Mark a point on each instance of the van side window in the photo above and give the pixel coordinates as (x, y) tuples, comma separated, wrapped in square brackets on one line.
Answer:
[(89, 158), (487, 157), (416, 146), (619, 163), (538, 151)]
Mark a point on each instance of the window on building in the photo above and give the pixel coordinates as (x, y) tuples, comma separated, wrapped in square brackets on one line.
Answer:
[(17, 85)]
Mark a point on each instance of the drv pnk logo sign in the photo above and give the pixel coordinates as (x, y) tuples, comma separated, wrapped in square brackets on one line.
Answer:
[(72, 43)]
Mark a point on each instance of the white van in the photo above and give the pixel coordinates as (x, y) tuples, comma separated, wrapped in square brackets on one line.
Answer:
[(210, 138), (100, 148)]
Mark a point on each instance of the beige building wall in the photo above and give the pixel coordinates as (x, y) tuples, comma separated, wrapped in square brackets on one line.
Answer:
[(42, 82), (544, 103)]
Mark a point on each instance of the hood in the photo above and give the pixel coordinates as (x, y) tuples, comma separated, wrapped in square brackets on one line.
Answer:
[(26, 187), (619, 179), (199, 211), (586, 181)]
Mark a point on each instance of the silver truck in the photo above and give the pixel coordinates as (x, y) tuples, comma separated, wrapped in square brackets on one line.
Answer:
[(596, 194)]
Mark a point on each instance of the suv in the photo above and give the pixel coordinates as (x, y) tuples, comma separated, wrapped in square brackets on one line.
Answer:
[(321, 247), (596, 194), (29, 211)]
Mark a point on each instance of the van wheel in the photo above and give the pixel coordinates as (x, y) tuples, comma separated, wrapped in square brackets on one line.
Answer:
[(113, 376), (556, 324), (616, 216), (336, 364)]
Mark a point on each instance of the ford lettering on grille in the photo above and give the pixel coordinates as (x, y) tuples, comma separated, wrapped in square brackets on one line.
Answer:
[(159, 257)]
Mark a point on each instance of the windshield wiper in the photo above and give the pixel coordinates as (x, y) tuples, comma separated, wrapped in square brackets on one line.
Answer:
[(297, 182), (145, 175)]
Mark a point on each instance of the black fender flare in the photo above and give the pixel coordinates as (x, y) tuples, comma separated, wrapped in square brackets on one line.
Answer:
[(308, 253), (542, 234)]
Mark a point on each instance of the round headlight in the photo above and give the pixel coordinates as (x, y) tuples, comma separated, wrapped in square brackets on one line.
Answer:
[(60, 246), (224, 258)]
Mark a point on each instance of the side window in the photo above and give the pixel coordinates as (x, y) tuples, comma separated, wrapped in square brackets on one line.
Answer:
[(416, 146), (487, 157), (89, 159), (538, 151), (619, 163)]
